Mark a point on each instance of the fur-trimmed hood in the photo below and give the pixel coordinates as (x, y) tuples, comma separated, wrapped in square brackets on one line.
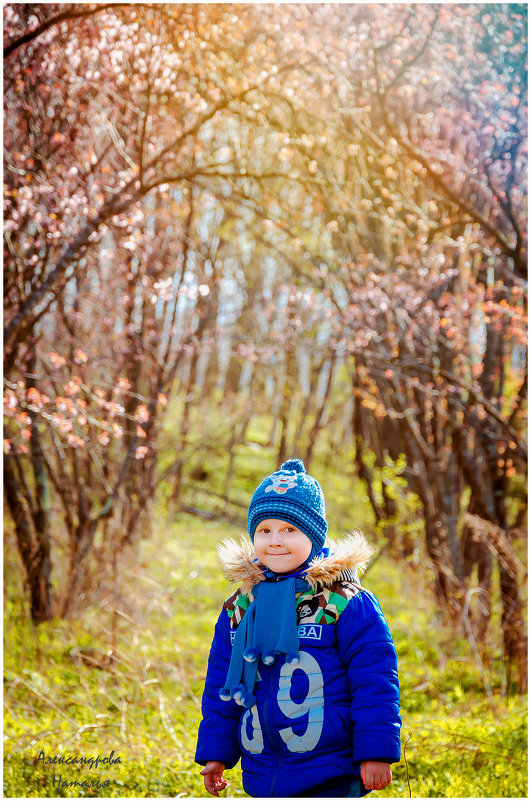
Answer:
[(348, 555)]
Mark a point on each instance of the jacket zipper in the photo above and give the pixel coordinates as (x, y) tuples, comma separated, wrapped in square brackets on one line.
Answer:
[(268, 730)]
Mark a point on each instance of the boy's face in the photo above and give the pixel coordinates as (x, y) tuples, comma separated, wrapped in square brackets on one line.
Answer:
[(281, 546)]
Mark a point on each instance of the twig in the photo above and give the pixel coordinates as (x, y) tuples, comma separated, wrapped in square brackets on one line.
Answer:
[(87, 727), (166, 723)]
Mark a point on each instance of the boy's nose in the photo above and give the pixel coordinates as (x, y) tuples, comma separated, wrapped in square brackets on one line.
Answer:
[(276, 538)]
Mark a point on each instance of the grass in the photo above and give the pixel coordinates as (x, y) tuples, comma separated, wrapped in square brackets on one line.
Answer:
[(64, 698)]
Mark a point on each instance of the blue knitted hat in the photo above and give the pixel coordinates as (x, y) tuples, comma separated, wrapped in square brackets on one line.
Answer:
[(291, 494)]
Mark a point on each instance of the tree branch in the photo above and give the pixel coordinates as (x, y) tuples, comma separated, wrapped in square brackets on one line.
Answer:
[(65, 15)]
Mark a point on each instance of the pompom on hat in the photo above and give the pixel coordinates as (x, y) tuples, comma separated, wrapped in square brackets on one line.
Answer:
[(292, 495)]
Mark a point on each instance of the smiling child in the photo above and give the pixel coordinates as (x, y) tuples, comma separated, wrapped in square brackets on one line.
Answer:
[(302, 679)]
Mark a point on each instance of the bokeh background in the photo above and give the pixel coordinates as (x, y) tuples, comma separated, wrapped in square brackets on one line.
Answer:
[(236, 234)]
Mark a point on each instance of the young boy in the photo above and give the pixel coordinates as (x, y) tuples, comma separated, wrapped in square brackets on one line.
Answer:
[(302, 679)]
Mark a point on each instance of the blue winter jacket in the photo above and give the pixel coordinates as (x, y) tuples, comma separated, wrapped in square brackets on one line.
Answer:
[(317, 720)]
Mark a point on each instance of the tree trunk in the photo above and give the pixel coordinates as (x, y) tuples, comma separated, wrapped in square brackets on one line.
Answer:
[(237, 438), (514, 638), (32, 540), (285, 408), (476, 553), (312, 437), (513, 627), (314, 376), (81, 540), (449, 589), (185, 425)]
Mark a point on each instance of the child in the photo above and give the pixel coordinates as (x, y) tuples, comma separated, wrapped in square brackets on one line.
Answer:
[(302, 679)]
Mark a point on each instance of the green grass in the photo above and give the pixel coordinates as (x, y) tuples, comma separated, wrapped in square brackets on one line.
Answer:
[(63, 698)]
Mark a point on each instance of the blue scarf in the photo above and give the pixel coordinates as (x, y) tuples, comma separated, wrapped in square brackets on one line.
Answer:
[(268, 628)]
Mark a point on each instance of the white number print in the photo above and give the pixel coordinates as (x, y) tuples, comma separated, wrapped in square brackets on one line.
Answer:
[(256, 745), (313, 704)]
